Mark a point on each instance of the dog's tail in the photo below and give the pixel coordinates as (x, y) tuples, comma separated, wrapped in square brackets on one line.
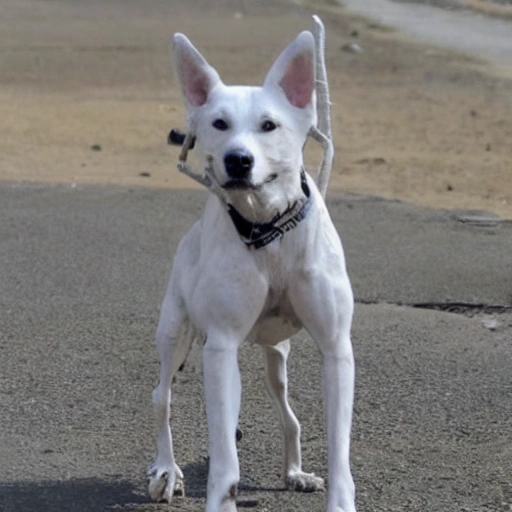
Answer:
[(322, 132)]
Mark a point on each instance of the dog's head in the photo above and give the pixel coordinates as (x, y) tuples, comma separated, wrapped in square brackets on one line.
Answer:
[(252, 136)]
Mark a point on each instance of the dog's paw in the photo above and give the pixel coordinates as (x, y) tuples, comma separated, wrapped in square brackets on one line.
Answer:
[(304, 482), (165, 480)]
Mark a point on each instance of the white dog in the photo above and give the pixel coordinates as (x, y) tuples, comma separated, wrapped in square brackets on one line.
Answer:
[(263, 261)]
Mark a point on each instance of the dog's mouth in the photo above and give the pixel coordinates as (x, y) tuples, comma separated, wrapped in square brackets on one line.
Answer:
[(245, 184), (238, 184)]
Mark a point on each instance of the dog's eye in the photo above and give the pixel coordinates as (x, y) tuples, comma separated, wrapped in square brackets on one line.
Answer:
[(220, 124), (268, 126)]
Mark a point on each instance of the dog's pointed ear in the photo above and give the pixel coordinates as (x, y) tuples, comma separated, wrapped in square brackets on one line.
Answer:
[(196, 76), (294, 71)]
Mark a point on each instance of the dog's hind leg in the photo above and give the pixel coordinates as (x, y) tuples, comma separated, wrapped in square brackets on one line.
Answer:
[(174, 338), (277, 386)]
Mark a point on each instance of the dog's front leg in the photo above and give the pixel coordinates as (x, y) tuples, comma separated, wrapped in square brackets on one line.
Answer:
[(338, 395), (222, 393), (173, 344), (322, 298)]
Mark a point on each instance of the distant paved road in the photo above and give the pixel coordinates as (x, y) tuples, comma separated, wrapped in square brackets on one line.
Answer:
[(463, 31)]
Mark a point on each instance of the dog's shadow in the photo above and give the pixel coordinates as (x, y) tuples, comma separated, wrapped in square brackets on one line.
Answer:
[(196, 476), (96, 494), (75, 495)]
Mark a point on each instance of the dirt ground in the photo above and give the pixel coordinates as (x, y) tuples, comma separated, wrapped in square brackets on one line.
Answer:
[(87, 96)]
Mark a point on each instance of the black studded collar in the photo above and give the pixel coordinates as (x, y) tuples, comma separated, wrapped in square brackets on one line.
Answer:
[(257, 235)]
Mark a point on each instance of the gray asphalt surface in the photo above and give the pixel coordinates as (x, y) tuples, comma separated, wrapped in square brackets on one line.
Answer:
[(82, 274)]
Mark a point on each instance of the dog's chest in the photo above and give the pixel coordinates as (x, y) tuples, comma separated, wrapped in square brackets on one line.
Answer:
[(278, 320)]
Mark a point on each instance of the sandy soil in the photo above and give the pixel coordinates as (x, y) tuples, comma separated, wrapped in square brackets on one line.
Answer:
[(87, 96)]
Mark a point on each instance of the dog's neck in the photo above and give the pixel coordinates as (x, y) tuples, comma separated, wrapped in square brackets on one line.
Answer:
[(259, 234)]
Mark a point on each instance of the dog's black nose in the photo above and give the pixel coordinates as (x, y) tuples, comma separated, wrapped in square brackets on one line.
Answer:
[(238, 164)]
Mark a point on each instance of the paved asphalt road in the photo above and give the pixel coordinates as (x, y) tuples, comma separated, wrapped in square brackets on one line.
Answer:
[(82, 273)]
